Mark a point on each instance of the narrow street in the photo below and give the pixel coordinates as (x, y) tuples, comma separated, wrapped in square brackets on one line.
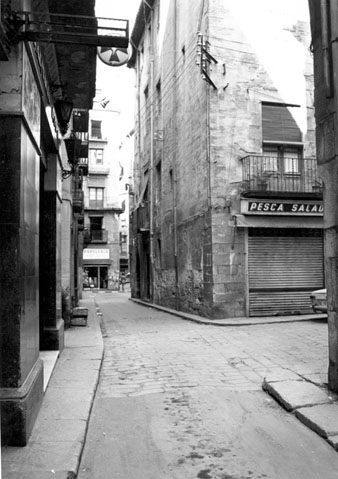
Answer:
[(181, 400)]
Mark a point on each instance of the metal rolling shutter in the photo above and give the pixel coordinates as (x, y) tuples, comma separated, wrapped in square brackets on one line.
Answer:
[(283, 269)]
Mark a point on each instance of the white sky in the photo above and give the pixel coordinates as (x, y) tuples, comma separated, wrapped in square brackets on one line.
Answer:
[(275, 48), (117, 83)]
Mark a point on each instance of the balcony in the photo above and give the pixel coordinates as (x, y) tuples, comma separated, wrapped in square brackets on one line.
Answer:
[(78, 201), (96, 204), (83, 166), (80, 222), (266, 176), (95, 235)]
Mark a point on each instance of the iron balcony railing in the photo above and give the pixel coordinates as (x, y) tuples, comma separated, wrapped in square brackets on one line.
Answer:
[(96, 204), (271, 175)]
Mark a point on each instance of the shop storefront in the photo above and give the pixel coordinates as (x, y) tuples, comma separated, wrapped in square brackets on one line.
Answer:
[(96, 266), (285, 259), (95, 277)]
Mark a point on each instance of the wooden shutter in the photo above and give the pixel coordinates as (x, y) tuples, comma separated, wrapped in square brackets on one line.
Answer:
[(278, 124)]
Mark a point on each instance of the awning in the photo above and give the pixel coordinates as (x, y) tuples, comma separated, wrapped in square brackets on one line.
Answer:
[(246, 221), (96, 262)]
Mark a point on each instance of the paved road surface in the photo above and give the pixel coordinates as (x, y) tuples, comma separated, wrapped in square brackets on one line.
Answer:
[(179, 400)]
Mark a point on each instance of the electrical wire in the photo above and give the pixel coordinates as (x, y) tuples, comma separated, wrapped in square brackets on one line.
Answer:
[(170, 76), (168, 87)]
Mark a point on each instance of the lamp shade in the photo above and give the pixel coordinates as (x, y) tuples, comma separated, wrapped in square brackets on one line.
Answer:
[(73, 147), (63, 109)]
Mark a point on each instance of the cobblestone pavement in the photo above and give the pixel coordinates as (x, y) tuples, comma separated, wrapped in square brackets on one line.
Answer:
[(181, 400), (156, 352)]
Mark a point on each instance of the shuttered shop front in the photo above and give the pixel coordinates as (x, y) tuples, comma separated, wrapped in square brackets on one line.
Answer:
[(284, 267)]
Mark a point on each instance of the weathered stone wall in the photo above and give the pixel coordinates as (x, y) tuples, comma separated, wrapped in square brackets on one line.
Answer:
[(244, 78), (193, 290), (199, 256)]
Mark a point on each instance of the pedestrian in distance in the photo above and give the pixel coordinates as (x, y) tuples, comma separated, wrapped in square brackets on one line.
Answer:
[(123, 280)]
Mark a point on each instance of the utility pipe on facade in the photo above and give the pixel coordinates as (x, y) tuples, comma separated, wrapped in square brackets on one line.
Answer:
[(151, 172), (175, 160), (136, 277), (326, 46)]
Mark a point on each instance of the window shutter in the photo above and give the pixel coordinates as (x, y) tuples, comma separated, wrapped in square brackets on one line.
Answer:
[(279, 125)]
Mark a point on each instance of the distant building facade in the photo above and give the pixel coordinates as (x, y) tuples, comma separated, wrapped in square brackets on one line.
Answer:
[(102, 205), (126, 188), (227, 212)]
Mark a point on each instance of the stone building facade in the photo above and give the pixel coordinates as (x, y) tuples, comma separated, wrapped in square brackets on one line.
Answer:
[(47, 73), (102, 206), (37, 213), (227, 214)]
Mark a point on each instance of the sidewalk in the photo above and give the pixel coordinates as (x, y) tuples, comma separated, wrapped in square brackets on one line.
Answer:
[(55, 447), (56, 443)]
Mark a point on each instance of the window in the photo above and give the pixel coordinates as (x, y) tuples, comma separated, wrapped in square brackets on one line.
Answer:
[(147, 110), (96, 197), (123, 243), (158, 98), (159, 252), (290, 160), (96, 222), (158, 184), (96, 156), (183, 53), (284, 159), (171, 179), (96, 129)]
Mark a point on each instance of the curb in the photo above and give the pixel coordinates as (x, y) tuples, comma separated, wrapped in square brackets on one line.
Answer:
[(241, 321), (314, 406), (55, 447)]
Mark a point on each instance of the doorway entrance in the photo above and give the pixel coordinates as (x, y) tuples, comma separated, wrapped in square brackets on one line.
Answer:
[(95, 277)]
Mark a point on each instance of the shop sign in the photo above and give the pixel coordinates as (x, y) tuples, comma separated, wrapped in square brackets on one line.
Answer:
[(287, 207), (91, 253)]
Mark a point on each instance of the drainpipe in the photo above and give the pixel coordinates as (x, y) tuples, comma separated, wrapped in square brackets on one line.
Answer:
[(175, 162), (326, 46), (151, 172), (136, 280)]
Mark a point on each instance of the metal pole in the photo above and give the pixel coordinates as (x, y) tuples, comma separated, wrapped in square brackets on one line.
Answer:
[(151, 172)]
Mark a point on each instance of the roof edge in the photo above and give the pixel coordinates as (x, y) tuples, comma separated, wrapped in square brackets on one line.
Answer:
[(142, 17)]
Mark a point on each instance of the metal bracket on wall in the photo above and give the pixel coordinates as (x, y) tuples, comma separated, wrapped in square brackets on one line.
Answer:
[(74, 29), (204, 59)]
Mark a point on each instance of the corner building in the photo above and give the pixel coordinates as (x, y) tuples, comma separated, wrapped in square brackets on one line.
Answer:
[(227, 214)]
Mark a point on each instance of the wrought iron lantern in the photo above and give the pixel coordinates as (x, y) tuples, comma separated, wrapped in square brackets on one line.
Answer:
[(73, 148), (63, 109)]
